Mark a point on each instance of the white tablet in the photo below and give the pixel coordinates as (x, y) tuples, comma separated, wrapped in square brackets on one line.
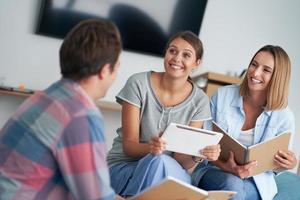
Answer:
[(189, 140)]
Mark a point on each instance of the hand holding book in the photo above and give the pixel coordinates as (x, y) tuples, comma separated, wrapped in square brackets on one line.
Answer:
[(285, 160), (263, 152), (242, 171), (211, 152)]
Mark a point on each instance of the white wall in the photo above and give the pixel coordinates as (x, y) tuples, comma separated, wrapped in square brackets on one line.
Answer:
[(35, 57), (232, 31)]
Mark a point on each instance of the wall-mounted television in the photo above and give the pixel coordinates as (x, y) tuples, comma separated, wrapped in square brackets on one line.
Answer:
[(145, 25)]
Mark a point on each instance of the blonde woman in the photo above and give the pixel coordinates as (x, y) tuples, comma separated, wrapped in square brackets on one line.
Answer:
[(252, 112)]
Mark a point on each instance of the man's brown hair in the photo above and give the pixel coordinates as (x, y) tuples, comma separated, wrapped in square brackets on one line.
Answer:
[(88, 47)]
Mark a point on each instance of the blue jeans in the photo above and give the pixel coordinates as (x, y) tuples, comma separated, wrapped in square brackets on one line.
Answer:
[(217, 179), (130, 178)]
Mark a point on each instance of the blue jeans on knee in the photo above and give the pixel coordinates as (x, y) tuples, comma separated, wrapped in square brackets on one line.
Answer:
[(217, 179), (128, 179)]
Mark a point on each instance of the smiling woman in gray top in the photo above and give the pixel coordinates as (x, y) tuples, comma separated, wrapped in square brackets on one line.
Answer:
[(150, 101)]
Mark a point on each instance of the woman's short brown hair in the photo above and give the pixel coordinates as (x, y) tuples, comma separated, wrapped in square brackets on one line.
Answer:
[(277, 95), (88, 47)]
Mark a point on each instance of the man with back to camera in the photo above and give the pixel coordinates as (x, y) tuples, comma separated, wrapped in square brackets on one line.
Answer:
[(53, 147)]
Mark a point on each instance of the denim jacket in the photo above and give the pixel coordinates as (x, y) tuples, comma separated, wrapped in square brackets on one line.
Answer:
[(227, 111)]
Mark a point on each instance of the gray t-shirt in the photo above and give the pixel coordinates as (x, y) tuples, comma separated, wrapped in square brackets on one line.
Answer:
[(155, 117)]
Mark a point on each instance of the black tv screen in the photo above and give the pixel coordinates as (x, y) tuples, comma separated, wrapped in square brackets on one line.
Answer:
[(145, 25)]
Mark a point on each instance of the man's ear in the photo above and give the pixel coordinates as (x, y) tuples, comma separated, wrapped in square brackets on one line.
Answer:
[(104, 71)]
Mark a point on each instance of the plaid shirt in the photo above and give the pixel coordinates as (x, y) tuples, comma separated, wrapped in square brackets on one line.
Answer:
[(54, 148)]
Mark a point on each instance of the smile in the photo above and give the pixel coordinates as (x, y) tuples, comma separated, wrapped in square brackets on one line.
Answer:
[(253, 80), (176, 67)]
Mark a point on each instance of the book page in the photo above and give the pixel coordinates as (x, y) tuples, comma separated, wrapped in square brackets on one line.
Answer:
[(171, 189), (228, 144), (264, 152), (220, 194), (188, 140)]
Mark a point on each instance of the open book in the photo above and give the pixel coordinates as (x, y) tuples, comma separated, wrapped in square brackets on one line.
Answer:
[(188, 140), (263, 152), (174, 189)]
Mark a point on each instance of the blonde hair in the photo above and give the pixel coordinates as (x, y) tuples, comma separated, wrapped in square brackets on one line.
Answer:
[(277, 94)]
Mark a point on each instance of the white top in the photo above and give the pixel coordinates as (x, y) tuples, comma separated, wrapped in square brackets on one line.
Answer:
[(247, 137)]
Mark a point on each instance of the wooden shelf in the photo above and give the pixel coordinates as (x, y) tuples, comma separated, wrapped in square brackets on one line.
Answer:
[(14, 93), (100, 103), (210, 81), (220, 78)]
